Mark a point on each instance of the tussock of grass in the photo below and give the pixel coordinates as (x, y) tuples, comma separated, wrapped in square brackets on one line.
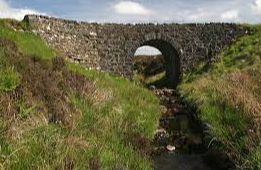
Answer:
[(9, 79), (61, 116), (228, 98)]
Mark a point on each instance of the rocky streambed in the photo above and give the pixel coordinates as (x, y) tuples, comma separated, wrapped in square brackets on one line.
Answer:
[(179, 141)]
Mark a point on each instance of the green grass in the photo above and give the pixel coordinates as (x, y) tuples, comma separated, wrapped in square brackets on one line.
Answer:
[(9, 79), (130, 100), (227, 96), (104, 124), (157, 77), (158, 80), (26, 41)]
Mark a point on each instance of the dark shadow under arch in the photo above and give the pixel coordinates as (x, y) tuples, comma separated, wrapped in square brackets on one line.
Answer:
[(172, 62)]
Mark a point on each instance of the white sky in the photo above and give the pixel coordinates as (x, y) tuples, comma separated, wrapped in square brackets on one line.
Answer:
[(147, 50)]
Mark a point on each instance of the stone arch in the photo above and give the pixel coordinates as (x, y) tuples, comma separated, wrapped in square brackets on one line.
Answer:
[(170, 53)]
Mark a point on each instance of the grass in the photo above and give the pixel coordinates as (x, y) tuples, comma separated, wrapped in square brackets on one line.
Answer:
[(158, 80), (153, 79), (58, 115), (150, 70), (26, 41), (9, 79), (122, 93), (227, 96)]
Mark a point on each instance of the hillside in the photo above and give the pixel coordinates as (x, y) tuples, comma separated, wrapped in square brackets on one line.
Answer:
[(227, 97), (59, 115), (56, 115)]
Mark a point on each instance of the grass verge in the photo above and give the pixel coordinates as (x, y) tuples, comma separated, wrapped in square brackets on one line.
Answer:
[(56, 115), (227, 96)]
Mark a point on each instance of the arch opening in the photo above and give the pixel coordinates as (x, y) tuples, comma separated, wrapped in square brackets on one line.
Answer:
[(156, 62)]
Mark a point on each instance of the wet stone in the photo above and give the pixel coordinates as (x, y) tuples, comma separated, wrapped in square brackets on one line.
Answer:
[(161, 137)]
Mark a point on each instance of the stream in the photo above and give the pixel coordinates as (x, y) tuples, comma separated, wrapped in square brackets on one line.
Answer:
[(179, 140)]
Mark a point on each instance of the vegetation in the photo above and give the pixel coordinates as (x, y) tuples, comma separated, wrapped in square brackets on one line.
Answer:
[(9, 79), (59, 115), (56, 115), (150, 70), (26, 42), (228, 97)]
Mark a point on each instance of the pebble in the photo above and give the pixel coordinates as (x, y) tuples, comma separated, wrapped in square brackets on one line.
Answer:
[(161, 131), (170, 148), (152, 87)]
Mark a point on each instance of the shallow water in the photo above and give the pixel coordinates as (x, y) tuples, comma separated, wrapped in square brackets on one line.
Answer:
[(173, 161), (179, 128)]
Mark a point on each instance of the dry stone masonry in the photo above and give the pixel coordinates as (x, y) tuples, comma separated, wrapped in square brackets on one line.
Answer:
[(111, 47)]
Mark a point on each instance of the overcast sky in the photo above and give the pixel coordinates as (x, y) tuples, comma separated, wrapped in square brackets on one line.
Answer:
[(134, 11)]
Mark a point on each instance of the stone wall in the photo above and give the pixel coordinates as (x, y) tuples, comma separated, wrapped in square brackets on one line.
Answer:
[(111, 47)]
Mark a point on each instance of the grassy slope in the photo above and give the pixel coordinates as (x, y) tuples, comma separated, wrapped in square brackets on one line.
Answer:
[(228, 97), (106, 121)]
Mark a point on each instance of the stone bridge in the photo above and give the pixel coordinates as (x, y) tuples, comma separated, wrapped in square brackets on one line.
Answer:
[(111, 47)]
